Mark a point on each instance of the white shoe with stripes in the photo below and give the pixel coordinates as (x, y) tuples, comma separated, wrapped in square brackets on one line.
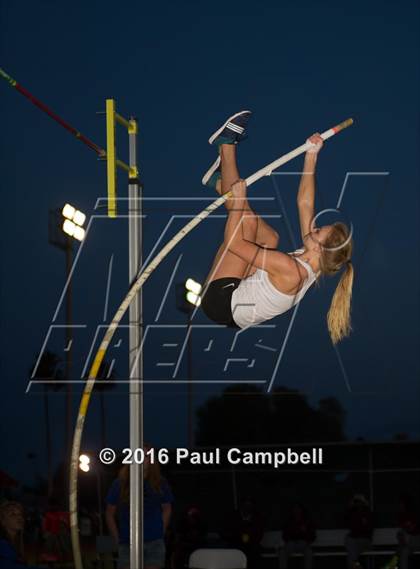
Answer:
[(232, 131)]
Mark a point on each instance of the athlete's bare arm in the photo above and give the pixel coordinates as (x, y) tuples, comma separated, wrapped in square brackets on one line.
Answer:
[(306, 192)]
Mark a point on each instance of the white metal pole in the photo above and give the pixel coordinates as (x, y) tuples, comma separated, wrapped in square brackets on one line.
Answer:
[(135, 358)]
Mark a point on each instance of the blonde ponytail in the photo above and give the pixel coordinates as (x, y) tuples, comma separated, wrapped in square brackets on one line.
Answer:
[(338, 318)]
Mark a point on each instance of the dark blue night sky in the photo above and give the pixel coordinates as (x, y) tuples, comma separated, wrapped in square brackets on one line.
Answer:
[(181, 67)]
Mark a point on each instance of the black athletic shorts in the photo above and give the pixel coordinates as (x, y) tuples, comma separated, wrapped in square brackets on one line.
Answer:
[(216, 302)]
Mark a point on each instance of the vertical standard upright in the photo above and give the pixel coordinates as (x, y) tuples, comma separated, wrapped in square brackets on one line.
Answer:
[(135, 354), (135, 357)]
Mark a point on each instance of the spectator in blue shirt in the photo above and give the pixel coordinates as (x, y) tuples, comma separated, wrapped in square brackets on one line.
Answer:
[(158, 500)]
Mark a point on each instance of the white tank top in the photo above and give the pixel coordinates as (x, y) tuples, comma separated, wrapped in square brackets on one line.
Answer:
[(256, 299)]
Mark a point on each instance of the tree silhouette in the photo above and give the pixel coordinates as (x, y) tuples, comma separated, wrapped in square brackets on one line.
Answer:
[(236, 417), (332, 418), (244, 415), (48, 369)]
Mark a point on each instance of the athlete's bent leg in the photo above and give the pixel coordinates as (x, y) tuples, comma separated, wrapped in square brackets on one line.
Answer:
[(226, 264), (263, 234), (254, 228)]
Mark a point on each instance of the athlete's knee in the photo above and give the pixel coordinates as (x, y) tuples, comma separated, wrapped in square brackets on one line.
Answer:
[(250, 228)]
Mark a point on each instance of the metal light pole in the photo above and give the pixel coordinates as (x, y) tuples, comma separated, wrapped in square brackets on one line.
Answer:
[(72, 226), (188, 297), (68, 345), (65, 226), (84, 465), (190, 401)]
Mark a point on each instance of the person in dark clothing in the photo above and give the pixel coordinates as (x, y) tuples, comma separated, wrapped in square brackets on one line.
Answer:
[(409, 530), (360, 523), (246, 531), (190, 534), (298, 535)]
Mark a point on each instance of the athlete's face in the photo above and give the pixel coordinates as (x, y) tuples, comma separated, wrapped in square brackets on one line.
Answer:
[(317, 236)]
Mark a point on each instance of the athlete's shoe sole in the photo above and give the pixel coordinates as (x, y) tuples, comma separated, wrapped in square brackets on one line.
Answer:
[(212, 175)]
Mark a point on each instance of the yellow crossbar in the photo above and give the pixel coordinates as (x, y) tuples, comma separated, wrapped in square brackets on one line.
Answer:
[(111, 157)]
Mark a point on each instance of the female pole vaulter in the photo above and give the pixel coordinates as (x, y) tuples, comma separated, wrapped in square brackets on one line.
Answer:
[(251, 281)]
